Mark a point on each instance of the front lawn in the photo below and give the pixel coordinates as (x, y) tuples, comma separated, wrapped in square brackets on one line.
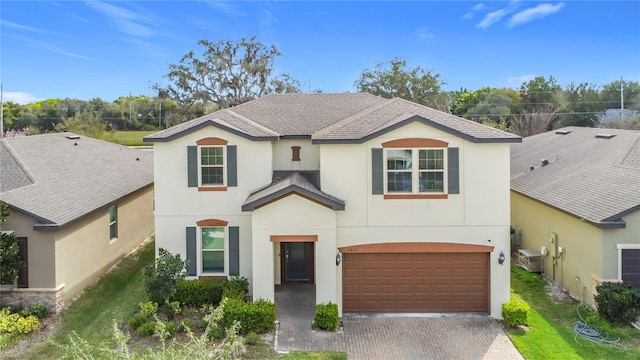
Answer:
[(550, 333)]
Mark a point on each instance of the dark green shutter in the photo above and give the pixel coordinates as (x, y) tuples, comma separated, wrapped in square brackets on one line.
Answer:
[(377, 172), (234, 250), (232, 165), (192, 166), (191, 251), (453, 170)]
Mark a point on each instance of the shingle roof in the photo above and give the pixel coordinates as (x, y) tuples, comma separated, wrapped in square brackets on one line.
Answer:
[(69, 177), (330, 118), (593, 178), (295, 183)]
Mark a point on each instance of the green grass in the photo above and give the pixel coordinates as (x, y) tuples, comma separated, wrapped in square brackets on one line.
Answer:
[(304, 355), (550, 333), (115, 296), (132, 138)]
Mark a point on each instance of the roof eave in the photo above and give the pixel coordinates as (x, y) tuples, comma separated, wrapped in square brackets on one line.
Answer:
[(293, 189), (425, 121), (204, 124)]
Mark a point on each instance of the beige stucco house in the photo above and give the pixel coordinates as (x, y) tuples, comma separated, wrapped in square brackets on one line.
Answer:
[(575, 197), (385, 205), (78, 206)]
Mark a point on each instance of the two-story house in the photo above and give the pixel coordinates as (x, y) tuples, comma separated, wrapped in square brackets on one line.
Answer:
[(385, 205)]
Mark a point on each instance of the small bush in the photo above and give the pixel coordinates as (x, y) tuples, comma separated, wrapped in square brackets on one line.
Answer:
[(171, 328), (238, 284), (16, 323), (326, 316), (147, 329), (215, 333), (136, 321), (258, 316), (618, 302), (199, 292), (515, 313), (161, 277), (148, 308), (40, 311), (252, 339)]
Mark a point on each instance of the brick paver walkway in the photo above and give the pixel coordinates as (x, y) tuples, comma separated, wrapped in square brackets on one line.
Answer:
[(390, 337)]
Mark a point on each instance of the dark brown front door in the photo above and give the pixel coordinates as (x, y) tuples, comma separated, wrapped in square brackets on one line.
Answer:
[(415, 282), (297, 262), (23, 274)]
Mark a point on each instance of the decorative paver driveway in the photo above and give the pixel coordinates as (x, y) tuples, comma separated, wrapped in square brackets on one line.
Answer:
[(390, 337)]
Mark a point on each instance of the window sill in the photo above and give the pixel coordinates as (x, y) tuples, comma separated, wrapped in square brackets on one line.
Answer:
[(113, 240), (415, 196), (212, 188)]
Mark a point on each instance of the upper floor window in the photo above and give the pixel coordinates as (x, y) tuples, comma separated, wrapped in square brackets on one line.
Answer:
[(415, 170), (212, 165)]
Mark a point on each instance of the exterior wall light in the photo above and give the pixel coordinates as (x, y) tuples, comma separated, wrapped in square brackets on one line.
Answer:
[(338, 258), (501, 258)]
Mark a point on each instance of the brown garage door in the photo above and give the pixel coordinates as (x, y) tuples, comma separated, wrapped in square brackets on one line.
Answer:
[(415, 282)]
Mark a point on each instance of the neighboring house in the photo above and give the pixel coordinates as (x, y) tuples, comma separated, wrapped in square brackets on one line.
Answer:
[(385, 205), (576, 192), (78, 206)]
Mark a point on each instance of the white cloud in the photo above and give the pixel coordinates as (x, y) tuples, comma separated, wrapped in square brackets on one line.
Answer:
[(424, 33), (536, 12), (492, 18), (520, 79), (18, 97), (49, 46), (469, 15), (226, 7), (126, 21)]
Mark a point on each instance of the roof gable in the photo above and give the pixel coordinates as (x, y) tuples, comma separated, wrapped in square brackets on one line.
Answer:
[(330, 118), (596, 179), (72, 175)]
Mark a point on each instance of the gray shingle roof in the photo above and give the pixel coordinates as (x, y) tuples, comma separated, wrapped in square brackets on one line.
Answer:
[(295, 183), (595, 179), (70, 177), (330, 118)]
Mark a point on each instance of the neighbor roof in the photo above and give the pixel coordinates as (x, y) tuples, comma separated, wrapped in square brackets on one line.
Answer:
[(591, 173), (330, 118), (58, 178)]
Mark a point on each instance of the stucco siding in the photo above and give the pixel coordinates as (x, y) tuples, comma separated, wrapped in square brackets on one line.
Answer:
[(84, 249), (294, 215), (41, 248), (585, 250), (282, 155)]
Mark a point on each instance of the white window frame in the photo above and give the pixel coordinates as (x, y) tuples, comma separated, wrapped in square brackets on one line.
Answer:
[(415, 172), (225, 251), (223, 166)]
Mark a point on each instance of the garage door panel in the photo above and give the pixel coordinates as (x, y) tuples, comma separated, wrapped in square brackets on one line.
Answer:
[(415, 282)]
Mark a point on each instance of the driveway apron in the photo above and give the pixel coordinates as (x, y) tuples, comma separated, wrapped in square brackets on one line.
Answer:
[(389, 336)]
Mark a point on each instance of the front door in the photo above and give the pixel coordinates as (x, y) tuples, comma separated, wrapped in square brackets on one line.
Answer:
[(297, 261)]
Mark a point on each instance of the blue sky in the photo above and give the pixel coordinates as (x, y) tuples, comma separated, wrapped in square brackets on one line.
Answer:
[(89, 49)]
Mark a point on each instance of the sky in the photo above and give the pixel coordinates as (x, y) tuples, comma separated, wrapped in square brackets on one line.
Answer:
[(110, 49)]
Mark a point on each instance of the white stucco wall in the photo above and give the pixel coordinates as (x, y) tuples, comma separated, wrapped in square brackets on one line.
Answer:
[(282, 155), (294, 215)]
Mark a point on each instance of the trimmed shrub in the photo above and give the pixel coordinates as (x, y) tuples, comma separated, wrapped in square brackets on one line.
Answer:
[(239, 285), (215, 333), (199, 292), (148, 308), (186, 324), (136, 321), (326, 316), (618, 302), (16, 323), (515, 313), (258, 316), (147, 328)]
